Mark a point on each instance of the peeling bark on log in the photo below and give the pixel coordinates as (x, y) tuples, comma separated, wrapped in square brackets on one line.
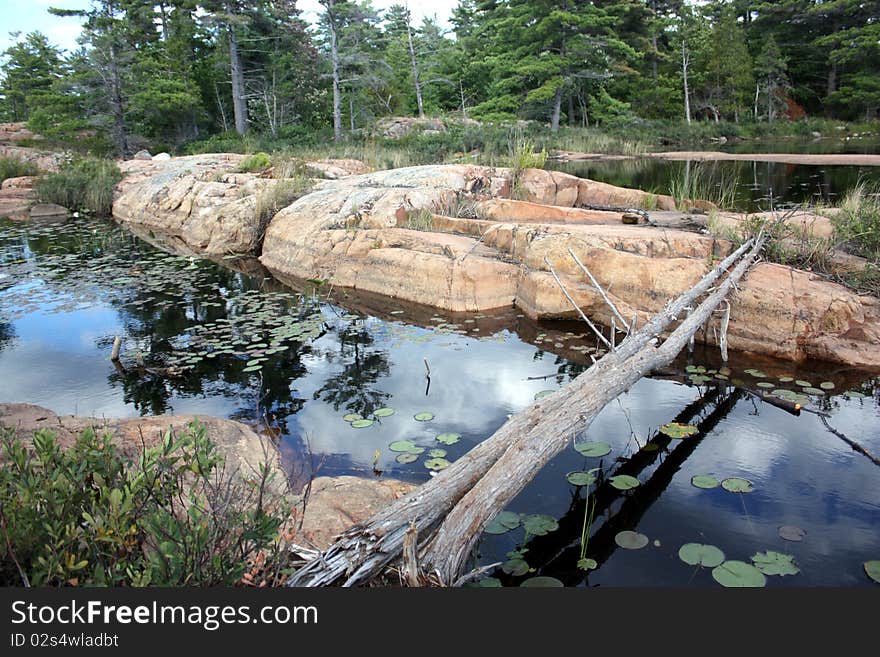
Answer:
[(463, 498)]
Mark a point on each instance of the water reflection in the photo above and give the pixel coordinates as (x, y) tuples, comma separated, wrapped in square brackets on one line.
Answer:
[(289, 362)]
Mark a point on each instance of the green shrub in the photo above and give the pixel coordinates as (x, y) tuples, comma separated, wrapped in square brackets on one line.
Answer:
[(85, 185), (83, 516), (255, 163), (12, 167)]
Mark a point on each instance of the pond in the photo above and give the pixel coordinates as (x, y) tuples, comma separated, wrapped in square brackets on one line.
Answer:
[(242, 345), (756, 186)]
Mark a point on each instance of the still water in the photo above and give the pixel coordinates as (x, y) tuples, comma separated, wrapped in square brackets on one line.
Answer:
[(241, 345), (758, 186)]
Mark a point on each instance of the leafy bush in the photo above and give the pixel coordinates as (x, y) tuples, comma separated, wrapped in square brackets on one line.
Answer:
[(12, 167), (255, 163), (85, 185), (83, 516)]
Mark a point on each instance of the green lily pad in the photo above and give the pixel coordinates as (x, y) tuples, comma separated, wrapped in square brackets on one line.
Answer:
[(872, 569), (650, 447), (542, 582), (737, 485), (489, 583), (738, 574), (804, 384), (360, 424), (543, 393), (351, 417), (630, 540), (854, 394), (402, 446), (587, 564), (424, 417), (515, 567), (765, 384), (449, 438), (792, 533), (705, 481), (407, 457), (437, 464), (539, 525), (593, 450), (786, 379), (695, 369), (253, 368), (707, 556), (580, 478), (775, 563), (437, 453), (678, 431), (699, 379), (624, 482), (383, 412), (827, 385), (503, 523)]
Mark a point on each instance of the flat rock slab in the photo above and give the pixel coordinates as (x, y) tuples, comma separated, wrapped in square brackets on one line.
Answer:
[(337, 503)]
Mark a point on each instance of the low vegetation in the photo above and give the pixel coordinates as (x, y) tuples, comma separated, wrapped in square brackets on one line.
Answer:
[(857, 223), (84, 516), (85, 184), (13, 167), (701, 181)]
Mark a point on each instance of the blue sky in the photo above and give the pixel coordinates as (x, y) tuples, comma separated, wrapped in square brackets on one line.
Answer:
[(29, 15)]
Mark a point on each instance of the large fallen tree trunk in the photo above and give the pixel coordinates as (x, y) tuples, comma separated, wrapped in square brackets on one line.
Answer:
[(451, 510)]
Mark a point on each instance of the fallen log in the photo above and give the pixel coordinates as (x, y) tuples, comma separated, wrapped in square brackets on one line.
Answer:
[(451, 510)]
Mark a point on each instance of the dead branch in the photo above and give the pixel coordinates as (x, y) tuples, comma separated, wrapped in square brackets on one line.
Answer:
[(577, 307)]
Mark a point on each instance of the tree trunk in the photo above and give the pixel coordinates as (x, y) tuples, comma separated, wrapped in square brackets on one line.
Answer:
[(685, 60), (557, 110), (364, 550), (239, 107), (415, 69), (334, 59), (117, 104)]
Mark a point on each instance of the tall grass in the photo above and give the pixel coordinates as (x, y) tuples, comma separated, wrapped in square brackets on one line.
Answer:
[(857, 222), (84, 185), (701, 182), (13, 167)]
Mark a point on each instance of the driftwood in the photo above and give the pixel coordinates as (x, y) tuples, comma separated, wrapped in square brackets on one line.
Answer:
[(450, 511)]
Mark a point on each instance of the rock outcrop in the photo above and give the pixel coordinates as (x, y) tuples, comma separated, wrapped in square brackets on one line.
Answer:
[(451, 237)]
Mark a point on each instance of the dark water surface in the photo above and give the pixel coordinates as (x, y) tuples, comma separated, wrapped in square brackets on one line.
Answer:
[(251, 349), (759, 186)]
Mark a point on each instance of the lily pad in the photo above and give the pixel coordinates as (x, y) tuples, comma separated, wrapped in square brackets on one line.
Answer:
[(449, 438), (587, 564), (827, 385), (581, 478), (424, 417), (775, 563), (253, 368), (539, 525), (707, 556), (593, 450), (437, 464), (678, 431), (792, 533), (503, 523), (407, 457), (804, 384), (543, 582), (630, 540), (543, 393), (383, 412), (351, 417), (437, 453), (705, 481), (402, 446), (650, 447), (814, 391), (360, 424), (515, 567), (738, 574), (489, 583), (737, 485), (872, 569), (624, 482), (854, 394)]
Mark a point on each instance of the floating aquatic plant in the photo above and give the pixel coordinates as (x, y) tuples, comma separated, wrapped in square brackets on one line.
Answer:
[(705, 481), (775, 563), (792, 533), (738, 574), (542, 582), (424, 417), (503, 523), (449, 438), (383, 412), (737, 485), (624, 482), (593, 449), (678, 431), (630, 540), (539, 525), (701, 554)]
